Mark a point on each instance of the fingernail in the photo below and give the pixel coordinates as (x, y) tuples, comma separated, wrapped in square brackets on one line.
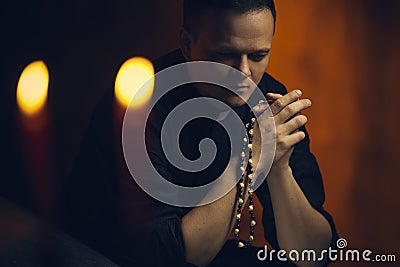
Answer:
[(299, 92), (308, 102)]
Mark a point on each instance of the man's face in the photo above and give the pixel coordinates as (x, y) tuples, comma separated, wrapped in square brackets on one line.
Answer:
[(242, 41)]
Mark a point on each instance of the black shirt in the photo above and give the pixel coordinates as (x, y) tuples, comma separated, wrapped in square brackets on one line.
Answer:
[(107, 210)]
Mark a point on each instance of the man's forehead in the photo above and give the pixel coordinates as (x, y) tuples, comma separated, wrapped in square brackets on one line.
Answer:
[(252, 24), (238, 33), (233, 11)]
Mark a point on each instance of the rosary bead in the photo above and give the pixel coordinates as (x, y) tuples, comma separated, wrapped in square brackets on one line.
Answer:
[(246, 169)]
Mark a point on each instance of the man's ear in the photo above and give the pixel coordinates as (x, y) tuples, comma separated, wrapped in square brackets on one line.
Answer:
[(186, 42)]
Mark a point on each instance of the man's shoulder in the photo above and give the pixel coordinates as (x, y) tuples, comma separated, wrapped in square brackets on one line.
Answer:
[(168, 60)]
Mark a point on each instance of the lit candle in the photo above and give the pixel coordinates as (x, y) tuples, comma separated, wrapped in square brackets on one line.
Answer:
[(134, 85), (34, 120)]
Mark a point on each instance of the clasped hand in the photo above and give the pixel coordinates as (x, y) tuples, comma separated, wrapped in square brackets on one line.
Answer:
[(287, 119)]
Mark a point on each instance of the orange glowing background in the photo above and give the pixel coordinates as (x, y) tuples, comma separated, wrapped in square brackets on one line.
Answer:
[(344, 56)]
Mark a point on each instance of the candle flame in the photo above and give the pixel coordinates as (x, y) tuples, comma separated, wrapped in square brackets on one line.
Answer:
[(32, 88), (135, 82)]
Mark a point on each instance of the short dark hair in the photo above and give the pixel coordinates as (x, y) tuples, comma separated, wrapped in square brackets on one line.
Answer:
[(193, 10)]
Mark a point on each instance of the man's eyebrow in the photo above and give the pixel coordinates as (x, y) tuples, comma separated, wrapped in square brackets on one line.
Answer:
[(260, 51), (264, 50)]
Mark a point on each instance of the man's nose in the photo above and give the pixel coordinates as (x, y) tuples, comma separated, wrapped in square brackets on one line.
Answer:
[(244, 65)]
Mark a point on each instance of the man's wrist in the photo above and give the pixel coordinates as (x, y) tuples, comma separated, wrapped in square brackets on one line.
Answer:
[(279, 172)]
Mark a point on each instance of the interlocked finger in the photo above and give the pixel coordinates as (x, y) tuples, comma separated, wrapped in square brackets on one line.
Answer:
[(293, 125), (292, 110), (278, 105)]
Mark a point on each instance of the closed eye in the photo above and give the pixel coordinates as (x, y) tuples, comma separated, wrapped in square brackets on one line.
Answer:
[(258, 57)]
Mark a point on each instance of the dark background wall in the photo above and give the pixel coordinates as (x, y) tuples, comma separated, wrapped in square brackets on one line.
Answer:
[(343, 54)]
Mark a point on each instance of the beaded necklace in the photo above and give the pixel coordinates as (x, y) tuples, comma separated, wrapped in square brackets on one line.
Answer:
[(246, 169)]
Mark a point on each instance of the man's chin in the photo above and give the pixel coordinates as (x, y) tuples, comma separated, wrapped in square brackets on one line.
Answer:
[(228, 97), (232, 100), (235, 101)]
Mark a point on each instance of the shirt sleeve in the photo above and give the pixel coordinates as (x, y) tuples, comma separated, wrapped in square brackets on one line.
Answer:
[(107, 210), (166, 234)]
